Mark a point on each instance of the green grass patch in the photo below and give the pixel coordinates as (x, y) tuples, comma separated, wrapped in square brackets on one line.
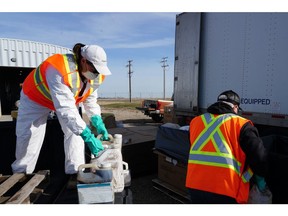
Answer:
[(126, 105)]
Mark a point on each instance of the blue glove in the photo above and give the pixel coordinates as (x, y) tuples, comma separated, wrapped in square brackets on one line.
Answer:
[(97, 122), (261, 183), (93, 143)]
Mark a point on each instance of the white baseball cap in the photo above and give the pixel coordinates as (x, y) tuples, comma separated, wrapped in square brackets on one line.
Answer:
[(97, 56)]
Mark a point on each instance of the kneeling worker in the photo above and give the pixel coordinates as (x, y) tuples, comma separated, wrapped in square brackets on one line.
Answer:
[(225, 151)]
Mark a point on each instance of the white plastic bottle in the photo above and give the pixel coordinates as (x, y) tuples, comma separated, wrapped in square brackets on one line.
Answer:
[(117, 141)]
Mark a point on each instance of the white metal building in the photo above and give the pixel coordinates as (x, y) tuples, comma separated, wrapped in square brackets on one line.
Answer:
[(23, 53), (17, 59)]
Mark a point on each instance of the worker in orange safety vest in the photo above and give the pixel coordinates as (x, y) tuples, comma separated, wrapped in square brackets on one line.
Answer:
[(59, 84), (225, 151)]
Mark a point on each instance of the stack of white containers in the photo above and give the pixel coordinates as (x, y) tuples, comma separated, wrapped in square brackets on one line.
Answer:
[(111, 158)]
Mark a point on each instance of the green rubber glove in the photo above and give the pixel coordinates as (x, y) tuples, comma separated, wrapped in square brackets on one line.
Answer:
[(93, 143), (261, 183), (97, 122)]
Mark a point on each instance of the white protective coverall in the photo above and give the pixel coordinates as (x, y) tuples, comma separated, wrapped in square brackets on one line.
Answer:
[(32, 119)]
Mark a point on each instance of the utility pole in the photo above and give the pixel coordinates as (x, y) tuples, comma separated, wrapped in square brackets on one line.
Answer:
[(129, 75), (164, 65)]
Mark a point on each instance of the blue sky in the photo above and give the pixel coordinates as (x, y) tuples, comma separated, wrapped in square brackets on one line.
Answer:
[(143, 37), (142, 31)]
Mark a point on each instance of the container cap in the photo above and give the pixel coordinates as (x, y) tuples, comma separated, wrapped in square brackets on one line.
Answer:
[(118, 135)]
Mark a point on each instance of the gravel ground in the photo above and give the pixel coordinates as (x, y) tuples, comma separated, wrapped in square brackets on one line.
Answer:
[(126, 114), (123, 114)]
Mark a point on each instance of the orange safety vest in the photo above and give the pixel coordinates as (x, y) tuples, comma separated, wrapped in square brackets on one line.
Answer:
[(216, 160), (36, 88)]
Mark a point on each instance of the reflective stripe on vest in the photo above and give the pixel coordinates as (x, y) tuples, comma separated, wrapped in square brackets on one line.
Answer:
[(223, 156), (36, 87), (40, 84), (73, 79)]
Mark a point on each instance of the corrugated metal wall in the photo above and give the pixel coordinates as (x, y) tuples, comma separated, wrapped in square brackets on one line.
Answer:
[(17, 59), (23, 53)]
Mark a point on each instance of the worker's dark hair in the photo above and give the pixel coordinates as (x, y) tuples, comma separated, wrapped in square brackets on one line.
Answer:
[(77, 53)]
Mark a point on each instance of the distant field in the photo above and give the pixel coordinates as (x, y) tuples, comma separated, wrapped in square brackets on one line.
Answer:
[(119, 103)]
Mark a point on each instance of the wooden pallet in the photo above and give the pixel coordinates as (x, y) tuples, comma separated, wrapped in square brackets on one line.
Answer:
[(22, 189)]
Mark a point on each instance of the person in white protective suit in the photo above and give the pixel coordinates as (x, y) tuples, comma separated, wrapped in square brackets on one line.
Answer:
[(59, 84)]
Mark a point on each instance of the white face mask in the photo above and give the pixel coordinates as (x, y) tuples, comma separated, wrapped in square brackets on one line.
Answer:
[(89, 75)]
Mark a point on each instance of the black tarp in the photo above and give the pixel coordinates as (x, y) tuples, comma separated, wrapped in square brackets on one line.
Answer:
[(173, 142)]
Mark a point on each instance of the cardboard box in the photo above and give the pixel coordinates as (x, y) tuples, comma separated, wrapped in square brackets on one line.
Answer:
[(172, 172), (169, 116)]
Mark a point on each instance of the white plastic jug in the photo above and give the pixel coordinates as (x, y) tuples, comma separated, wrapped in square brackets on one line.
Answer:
[(98, 173), (94, 184), (112, 155), (126, 174)]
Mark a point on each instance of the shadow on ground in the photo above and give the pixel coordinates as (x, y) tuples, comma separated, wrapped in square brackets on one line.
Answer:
[(143, 192)]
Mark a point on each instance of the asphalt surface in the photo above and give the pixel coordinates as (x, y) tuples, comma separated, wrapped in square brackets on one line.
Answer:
[(144, 192)]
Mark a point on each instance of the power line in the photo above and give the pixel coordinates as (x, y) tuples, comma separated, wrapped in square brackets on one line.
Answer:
[(129, 75), (164, 65)]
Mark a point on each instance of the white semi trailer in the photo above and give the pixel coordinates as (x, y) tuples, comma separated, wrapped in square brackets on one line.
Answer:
[(244, 52)]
